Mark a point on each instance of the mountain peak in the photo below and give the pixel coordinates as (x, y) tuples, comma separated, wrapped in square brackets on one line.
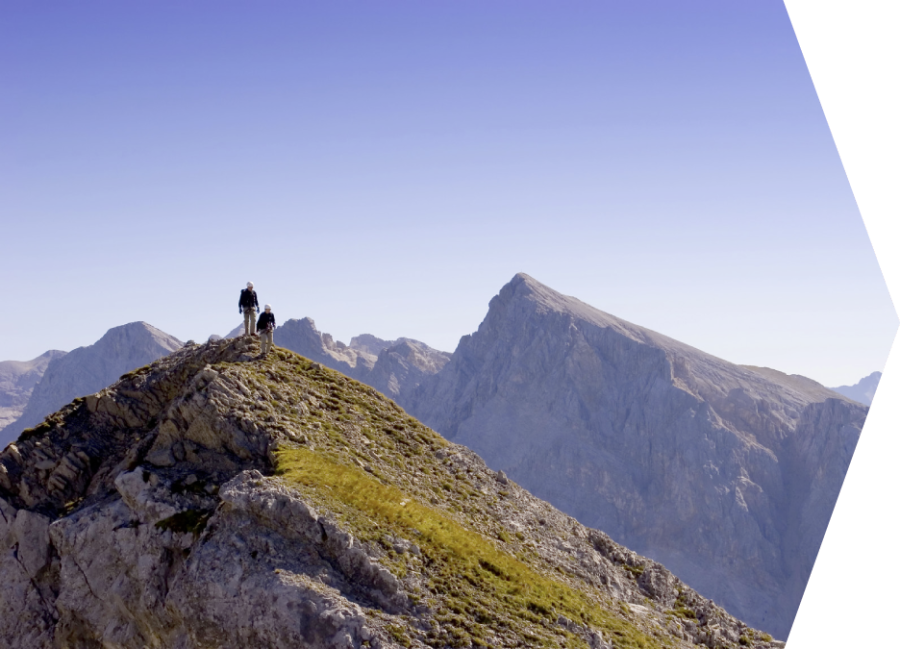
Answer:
[(619, 425), (524, 285), (524, 288), (87, 369), (710, 373), (220, 499), (140, 330)]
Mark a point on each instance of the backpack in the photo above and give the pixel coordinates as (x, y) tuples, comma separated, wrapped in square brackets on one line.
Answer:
[(266, 322), (248, 298)]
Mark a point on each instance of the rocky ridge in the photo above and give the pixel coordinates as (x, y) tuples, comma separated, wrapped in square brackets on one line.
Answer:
[(17, 381), (215, 499), (725, 474), (91, 368)]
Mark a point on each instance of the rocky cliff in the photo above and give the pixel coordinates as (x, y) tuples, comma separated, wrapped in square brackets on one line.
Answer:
[(17, 381), (88, 369), (215, 499), (727, 475)]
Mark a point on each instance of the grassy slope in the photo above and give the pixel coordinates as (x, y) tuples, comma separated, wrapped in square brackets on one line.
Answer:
[(387, 477), (484, 563)]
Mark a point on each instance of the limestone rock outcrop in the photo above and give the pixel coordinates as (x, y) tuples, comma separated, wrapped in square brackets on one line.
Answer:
[(88, 369), (17, 381), (727, 475), (217, 499)]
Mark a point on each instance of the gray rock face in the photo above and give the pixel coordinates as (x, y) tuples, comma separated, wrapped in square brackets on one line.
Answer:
[(371, 344), (403, 365), (125, 567), (143, 516), (864, 391), (727, 475), (88, 369), (302, 337), (17, 380), (392, 367)]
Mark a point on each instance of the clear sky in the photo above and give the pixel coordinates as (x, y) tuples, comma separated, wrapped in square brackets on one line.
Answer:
[(385, 167)]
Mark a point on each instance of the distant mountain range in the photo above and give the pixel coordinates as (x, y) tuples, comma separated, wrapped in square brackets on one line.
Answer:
[(88, 369), (17, 380), (862, 391), (31, 390), (393, 367), (726, 474)]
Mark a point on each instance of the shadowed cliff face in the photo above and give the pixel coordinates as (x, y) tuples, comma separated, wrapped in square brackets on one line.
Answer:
[(727, 475), (215, 499)]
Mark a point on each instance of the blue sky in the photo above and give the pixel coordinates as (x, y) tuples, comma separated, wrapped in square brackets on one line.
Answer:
[(386, 167)]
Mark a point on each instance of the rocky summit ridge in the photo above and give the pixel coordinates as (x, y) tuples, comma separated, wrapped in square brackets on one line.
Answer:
[(216, 499)]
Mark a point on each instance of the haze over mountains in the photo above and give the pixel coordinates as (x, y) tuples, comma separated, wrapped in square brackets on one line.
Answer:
[(725, 474), (27, 395), (17, 380), (393, 367), (88, 369), (863, 391)]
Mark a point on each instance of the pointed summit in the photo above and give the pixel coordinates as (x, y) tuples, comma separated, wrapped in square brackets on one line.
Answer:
[(725, 473), (525, 287), (710, 374)]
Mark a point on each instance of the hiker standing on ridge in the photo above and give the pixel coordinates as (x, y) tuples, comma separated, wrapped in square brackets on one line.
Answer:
[(246, 304), (266, 328)]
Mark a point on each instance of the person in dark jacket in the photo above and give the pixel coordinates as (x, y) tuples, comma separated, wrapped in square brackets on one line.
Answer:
[(246, 304), (266, 328)]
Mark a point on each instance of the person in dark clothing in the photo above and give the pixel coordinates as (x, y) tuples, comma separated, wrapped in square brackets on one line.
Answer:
[(246, 303), (266, 328)]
